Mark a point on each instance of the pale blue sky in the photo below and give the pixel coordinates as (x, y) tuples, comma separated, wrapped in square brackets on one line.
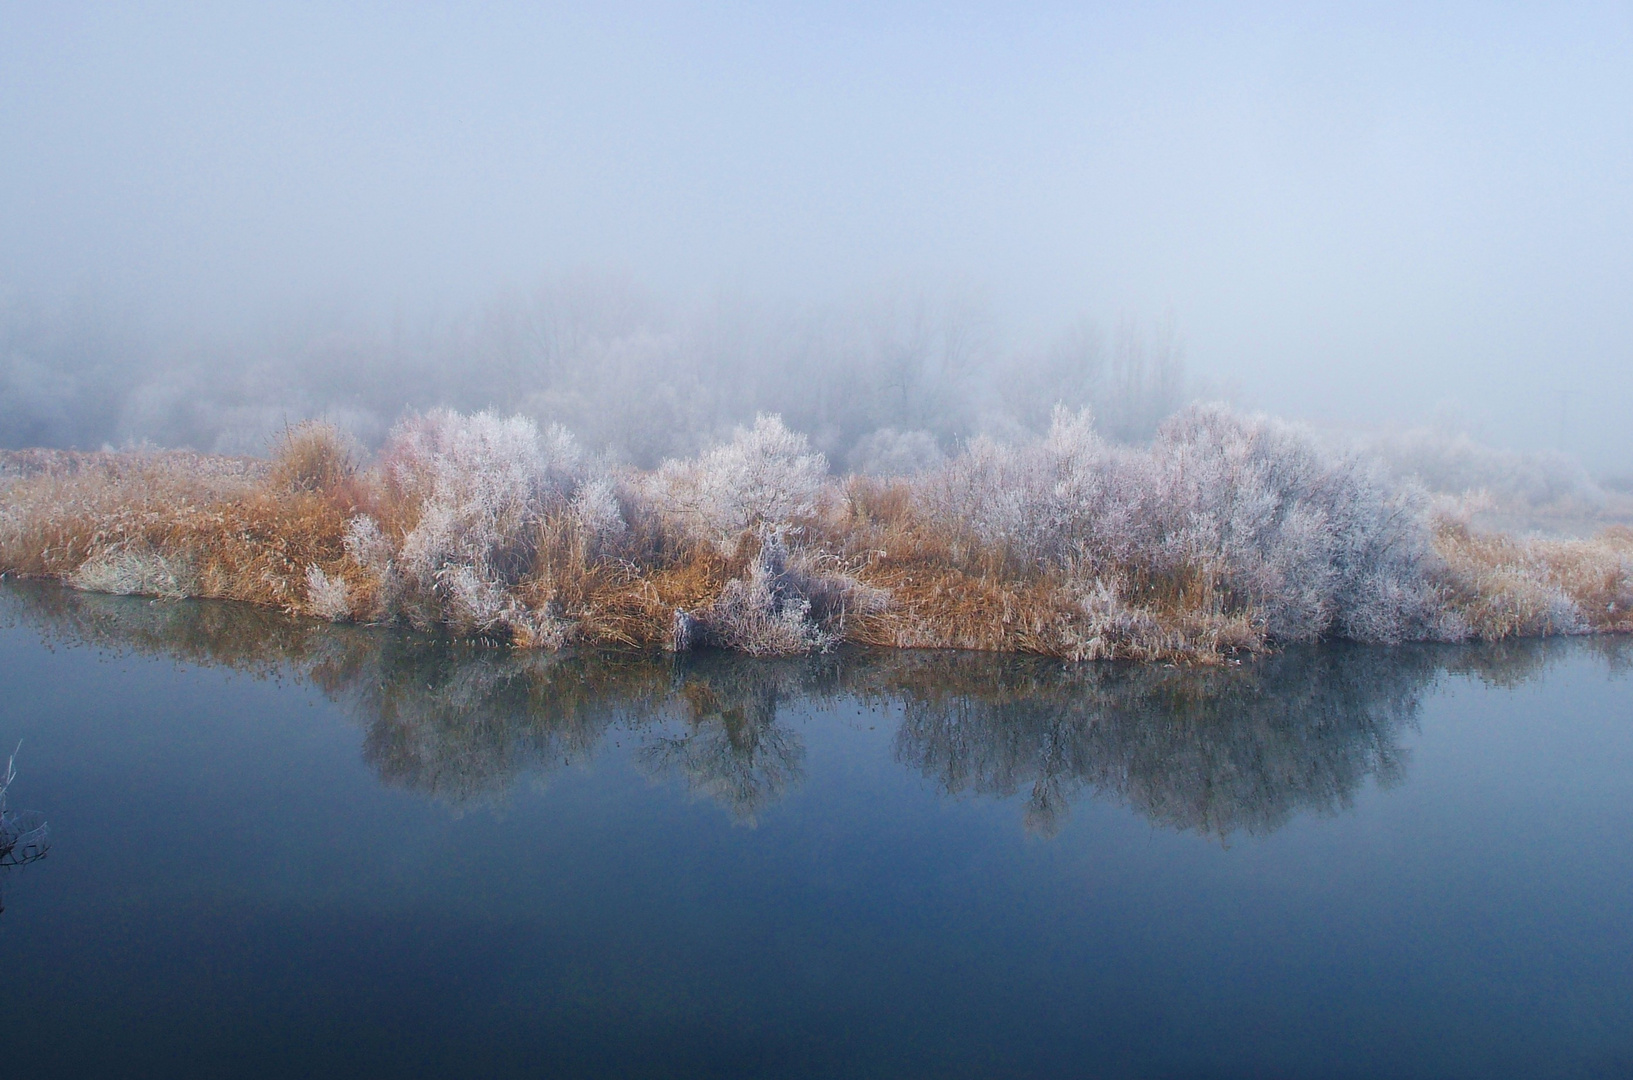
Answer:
[(1352, 213)]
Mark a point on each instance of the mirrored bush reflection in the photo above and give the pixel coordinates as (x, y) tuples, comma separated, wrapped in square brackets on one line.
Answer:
[(1218, 750)]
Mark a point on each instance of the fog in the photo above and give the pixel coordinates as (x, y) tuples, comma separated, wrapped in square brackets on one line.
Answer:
[(651, 221)]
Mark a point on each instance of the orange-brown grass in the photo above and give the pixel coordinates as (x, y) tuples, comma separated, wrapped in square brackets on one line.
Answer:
[(312, 456), (940, 596), (196, 525), (1506, 586), (1597, 574), (66, 509), (947, 590), (627, 597), (258, 548)]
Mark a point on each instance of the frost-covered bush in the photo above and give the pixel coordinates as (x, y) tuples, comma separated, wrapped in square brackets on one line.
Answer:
[(330, 597), (1066, 496), (766, 475), (369, 548), (483, 484), (480, 463), (788, 603), (758, 616), (596, 515), (1318, 543), (1311, 543)]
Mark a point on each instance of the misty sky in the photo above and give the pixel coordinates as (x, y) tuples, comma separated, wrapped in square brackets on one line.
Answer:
[(1377, 215)]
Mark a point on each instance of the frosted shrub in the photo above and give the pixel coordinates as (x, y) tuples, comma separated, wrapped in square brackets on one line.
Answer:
[(766, 613), (1095, 500), (987, 492), (596, 514), (1249, 510), (367, 546), (758, 618), (1317, 544), (136, 570), (765, 475), (472, 601), (374, 555), (329, 597), (1238, 496), (786, 604), (1067, 495), (485, 483), (481, 464)]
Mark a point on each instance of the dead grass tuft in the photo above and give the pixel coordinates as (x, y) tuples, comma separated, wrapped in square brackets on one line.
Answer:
[(313, 456)]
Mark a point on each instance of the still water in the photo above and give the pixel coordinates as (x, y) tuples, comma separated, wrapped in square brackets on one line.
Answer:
[(287, 849)]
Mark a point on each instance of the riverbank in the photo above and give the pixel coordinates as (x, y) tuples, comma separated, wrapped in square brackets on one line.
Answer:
[(1228, 535)]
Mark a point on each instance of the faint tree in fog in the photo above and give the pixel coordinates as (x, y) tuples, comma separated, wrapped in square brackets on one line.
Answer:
[(624, 372), (1131, 383)]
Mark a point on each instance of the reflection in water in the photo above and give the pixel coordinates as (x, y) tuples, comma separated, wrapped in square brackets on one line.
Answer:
[(1216, 750), (461, 723), (733, 749)]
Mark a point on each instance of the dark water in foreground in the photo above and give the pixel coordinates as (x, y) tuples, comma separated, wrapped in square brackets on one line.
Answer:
[(282, 849)]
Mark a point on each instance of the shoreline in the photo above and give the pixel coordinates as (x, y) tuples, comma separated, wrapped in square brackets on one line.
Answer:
[(1229, 536)]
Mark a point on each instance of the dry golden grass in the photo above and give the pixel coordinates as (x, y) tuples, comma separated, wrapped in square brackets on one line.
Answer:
[(312, 456), (178, 524), (72, 506), (630, 598), (949, 591), (1505, 586)]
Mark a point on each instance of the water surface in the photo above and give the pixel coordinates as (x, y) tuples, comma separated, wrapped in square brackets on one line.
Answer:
[(283, 848)]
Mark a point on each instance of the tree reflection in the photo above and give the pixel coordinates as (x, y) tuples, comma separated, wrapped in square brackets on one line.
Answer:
[(462, 723), (1218, 750), (731, 747)]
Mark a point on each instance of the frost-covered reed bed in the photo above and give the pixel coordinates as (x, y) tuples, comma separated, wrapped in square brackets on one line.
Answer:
[(1227, 534)]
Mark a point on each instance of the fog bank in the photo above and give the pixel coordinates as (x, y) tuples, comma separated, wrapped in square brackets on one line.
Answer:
[(1364, 218)]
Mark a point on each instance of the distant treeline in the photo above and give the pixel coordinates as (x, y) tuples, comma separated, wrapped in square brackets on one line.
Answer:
[(878, 386)]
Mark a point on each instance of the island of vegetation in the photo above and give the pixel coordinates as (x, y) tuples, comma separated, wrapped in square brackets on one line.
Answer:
[(1226, 535)]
